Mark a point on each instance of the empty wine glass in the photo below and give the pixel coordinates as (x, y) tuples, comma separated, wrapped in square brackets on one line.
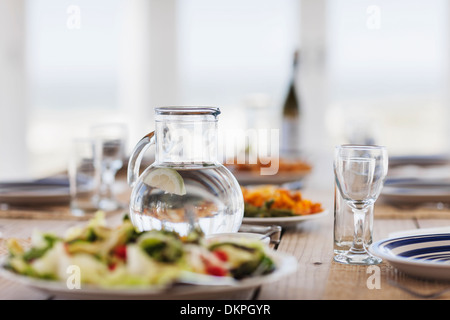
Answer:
[(360, 172), (111, 140)]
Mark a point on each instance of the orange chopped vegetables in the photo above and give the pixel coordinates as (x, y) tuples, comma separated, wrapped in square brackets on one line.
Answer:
[(272, 201)]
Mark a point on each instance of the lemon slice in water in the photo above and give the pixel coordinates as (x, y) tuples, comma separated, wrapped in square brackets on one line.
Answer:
[(168, 180)]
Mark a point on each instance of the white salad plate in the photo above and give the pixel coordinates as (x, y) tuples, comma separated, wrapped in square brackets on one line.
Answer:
[(424, 256), (419, 160), (285, 265), (39, 192), (413, 191), (285, 221)]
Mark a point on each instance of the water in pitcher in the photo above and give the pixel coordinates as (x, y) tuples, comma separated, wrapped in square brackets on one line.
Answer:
[(207, 202)]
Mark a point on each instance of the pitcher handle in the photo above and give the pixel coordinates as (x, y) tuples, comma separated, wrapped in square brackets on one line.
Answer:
[(134, 163)]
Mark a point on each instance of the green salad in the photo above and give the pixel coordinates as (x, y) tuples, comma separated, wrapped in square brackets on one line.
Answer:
[(123, 256)]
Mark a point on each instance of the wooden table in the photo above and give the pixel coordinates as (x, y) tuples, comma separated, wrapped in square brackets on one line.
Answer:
[(318, 277)]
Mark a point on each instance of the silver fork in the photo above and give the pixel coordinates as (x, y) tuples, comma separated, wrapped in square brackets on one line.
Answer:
[(273, 232), (417, 294)]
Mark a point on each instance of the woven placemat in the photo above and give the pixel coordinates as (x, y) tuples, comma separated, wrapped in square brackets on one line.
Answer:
[(43, 213), (55, 212), (385, 211), (352, 282)]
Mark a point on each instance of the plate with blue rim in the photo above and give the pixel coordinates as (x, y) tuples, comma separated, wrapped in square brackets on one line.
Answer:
[(424, 256)]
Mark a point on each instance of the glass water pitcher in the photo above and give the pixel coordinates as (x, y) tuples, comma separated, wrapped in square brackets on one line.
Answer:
[(186, 187)]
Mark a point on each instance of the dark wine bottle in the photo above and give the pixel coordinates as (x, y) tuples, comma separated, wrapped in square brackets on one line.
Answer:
[(290, 123)]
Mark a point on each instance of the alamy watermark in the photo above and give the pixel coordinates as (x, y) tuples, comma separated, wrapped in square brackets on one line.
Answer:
[(373, 21), (74, 277), (374, 279), (261, 146), (73, 21), (252, 146)]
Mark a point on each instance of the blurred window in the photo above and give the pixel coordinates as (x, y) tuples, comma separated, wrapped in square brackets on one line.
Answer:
[(72, 61), (388, 68), (73, 53), (227, 50), (237, 55)]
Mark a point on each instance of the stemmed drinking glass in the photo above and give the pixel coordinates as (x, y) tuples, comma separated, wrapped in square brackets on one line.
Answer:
[(360, 172), (111, 140)]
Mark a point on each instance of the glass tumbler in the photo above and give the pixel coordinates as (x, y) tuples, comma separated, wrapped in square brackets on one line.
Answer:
[(84, 177), (111, 140), (344, 225), (360, 172)]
